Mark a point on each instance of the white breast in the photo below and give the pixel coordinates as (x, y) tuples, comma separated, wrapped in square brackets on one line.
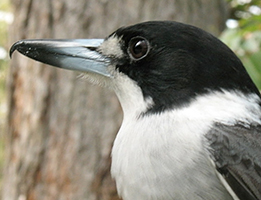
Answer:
[(163, 156), (165, 161)]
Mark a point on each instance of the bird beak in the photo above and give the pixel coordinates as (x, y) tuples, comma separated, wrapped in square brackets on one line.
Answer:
[(79, 54)]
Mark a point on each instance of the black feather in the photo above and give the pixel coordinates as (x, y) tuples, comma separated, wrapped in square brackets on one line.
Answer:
[(184, 61)]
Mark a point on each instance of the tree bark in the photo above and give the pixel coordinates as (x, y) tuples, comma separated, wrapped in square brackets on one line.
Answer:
[(60, 127)]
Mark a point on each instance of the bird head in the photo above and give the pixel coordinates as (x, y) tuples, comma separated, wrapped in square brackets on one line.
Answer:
[(152, 66)]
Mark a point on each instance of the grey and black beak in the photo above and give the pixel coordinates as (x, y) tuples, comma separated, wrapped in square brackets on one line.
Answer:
[(79, 54)]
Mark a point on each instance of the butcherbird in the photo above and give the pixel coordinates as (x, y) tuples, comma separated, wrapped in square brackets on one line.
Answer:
[(192, 122)]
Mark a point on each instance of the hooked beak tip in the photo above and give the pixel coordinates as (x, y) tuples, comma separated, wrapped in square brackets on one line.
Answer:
[(12, 49), (15, 47)]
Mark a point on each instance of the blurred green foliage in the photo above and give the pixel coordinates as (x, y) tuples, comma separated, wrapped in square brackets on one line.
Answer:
[(245, 38), (242, 9)]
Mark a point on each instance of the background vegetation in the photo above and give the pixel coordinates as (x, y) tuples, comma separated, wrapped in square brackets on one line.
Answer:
[(244, 35)]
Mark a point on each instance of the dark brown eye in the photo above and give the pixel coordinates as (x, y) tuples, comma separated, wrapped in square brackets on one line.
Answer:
[(138, 48)]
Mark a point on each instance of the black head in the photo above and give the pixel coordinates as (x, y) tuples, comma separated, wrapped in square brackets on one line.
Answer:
[(173, 63)]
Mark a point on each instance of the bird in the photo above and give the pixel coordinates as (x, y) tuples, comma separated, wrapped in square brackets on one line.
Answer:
[(191, 124)]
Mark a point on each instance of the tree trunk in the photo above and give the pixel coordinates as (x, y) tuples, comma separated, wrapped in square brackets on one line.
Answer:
[(60, 127)]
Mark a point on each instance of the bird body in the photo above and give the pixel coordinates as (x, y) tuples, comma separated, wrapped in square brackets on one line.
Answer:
[(192, 122), (158, 156)]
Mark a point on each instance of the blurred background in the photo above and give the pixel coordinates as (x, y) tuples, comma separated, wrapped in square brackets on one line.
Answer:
[(6, 19), (56, 131)]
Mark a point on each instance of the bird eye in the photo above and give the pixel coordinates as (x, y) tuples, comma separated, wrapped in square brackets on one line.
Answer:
[(138, 48)]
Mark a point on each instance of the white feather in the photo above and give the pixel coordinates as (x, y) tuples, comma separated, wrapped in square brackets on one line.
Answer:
[(162, 156)]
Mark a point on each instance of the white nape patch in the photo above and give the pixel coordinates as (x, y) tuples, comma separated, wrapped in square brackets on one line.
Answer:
[(162, 156), (227, 107), (111, 47)]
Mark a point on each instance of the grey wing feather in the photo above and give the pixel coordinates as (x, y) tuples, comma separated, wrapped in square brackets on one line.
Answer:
[(236, 151)]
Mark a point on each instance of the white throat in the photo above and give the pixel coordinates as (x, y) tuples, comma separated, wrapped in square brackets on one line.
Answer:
[(130, 96)]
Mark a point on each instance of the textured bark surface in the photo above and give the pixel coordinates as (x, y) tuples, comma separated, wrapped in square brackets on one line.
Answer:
[(60, 127)]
